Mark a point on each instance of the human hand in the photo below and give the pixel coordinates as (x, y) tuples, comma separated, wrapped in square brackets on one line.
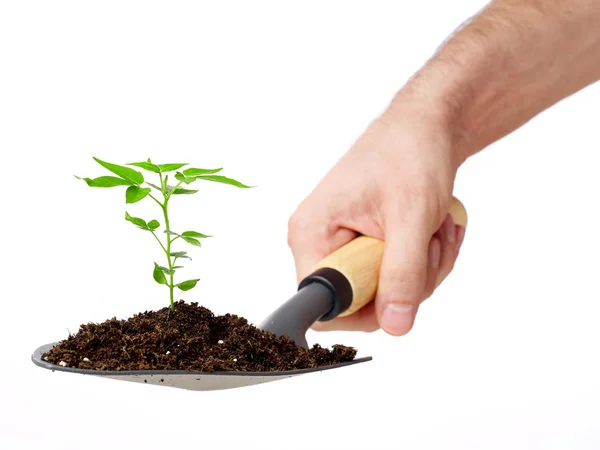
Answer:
[(394, 184), (497, 71)]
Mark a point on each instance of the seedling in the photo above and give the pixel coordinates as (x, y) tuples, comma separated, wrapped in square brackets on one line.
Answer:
[(137, 191)]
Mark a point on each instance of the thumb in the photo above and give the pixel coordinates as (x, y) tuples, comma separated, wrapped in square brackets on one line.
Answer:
[(405, 273)]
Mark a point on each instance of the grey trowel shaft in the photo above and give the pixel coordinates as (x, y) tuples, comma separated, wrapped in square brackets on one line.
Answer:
[(297, 315)]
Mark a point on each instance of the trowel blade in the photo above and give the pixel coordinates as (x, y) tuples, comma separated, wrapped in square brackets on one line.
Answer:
[(190, 380)]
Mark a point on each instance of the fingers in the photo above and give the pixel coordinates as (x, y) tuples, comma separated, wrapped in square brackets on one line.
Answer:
[(460, 236), (442, 251), (310, 244), (435, 258), (412, 268), (402, 288), (407, 261), (452, 237), (447, 236)]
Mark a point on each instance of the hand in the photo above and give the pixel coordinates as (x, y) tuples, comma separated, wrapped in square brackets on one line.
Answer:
[(394, 184)]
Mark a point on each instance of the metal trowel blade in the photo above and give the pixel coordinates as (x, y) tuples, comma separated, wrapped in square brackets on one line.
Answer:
[(190, 380)]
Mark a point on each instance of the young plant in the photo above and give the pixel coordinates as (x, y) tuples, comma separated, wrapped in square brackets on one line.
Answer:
[(137, 191)]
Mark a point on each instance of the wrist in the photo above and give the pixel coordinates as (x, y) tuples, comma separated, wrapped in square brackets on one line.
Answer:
[(430, 98), (504, 67), (466, 98)]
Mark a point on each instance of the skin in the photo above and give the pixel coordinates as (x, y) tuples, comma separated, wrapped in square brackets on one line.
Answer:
[(500, 69)]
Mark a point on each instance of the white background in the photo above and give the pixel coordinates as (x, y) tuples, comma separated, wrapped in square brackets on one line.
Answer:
[(505, 354)]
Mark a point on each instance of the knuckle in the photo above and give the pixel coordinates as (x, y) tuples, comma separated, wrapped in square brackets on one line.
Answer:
[(294, 227)]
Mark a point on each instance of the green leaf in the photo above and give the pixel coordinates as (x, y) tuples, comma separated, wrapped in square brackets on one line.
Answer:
[(154, 186), (135, 193), (165, 270), (153, 225), (105, 182), (171, 233), (194, 234), (187, 285), (180, 255), (181, 177), (146, 166), (159, 275), (140, 223), (171, 167), (224, 180), (181, 191), (133, 176), (193, 172), (177, 267), (192, 241)]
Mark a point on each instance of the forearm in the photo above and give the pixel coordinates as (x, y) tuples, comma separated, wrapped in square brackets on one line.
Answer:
[(509, 63)]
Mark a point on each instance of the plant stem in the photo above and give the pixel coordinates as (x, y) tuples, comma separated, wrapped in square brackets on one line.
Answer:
[(155, 199), (168, 251), (158, 240), (162, 186), (165, 208), (167, 197)]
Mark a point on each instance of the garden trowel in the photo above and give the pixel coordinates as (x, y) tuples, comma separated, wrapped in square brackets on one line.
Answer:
[(339, 285)]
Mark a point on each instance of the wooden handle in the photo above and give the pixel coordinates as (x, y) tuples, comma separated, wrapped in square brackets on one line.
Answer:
[(360, 262)]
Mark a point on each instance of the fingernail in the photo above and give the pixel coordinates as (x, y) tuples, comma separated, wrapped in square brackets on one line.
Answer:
[(397, 318), (460, 236), (435, 253), (449, 229)]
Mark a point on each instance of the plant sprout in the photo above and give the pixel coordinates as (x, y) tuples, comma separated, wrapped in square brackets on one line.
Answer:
[(136, 191)]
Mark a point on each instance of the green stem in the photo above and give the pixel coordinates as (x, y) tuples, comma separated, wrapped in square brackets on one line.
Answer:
[(162, 186), (165, 208), (155, 199), (168, 251), (167, 197), (161, 244)]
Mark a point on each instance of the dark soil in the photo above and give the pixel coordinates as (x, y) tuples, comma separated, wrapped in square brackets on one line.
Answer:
[(189, 338)]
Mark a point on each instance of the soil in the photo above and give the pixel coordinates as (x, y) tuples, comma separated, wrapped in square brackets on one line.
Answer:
[(189, 338)]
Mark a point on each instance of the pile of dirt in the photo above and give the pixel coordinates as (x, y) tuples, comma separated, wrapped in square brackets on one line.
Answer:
[(190, 337)]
